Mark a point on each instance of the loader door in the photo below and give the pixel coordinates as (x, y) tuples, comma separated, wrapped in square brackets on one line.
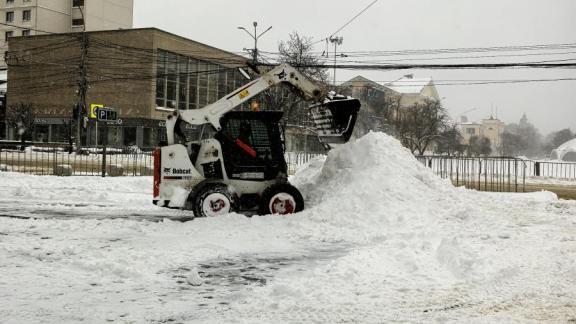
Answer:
[(251, 145)]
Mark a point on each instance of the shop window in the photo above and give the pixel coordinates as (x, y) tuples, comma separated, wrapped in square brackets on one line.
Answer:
[(129, 136)]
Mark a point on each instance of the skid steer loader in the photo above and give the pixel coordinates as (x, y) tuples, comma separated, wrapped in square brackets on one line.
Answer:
[(233, 161)]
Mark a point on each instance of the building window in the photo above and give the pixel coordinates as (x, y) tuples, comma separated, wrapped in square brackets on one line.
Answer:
[(26, 15), (26, 32), (161, 79), (8, 35), (182, 82), (77, 3), (77, 22), (9, 1), (186, 83), (192, 83), (471, 131), (10, 16)]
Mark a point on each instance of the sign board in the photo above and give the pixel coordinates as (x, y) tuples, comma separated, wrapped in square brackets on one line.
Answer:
[(107, 114), (93, 109)]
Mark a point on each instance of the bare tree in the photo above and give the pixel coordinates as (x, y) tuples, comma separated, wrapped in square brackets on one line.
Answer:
[(479, 146), (296, 51), (22, 117), (530, 143), (418, 126), (450, 141), (511, 144)]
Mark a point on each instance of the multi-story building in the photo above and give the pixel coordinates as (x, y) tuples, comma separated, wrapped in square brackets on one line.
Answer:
[(36, 17), (403, 93), (143, 73), (491, 128)]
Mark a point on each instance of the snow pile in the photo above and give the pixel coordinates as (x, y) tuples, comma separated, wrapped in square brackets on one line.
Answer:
[(414, 239), (370, 187)]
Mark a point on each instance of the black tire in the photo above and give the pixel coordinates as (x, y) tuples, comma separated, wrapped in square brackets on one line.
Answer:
[(210, 199), (281, 198)]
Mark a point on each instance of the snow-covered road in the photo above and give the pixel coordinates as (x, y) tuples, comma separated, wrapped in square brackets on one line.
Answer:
[(382, 240)]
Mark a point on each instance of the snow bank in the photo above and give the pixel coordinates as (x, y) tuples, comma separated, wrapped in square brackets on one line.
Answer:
[(372, 186)]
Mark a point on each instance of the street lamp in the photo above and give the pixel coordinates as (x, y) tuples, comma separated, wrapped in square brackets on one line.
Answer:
[(336, 41), (255, 36)]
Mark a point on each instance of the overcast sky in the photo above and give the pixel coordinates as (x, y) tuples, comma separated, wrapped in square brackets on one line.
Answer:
[(403, 25)]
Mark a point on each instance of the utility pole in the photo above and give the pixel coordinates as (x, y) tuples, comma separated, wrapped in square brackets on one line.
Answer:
[(82, 85), (336, 41), (255, 36)]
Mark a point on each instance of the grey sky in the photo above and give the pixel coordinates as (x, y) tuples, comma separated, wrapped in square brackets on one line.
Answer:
[(402, 25)]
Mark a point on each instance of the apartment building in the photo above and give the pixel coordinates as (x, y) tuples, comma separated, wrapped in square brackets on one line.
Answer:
[(491, 128), (143, 73), (36, 17)]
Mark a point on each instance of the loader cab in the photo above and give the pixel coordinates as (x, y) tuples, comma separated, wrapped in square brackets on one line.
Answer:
[(252, 145)]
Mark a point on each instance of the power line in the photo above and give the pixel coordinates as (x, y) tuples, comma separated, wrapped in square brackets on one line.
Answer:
[(469, 82), (347, 23), (442, 66)]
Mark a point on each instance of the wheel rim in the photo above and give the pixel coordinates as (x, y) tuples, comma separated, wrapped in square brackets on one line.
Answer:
[(216, 204), (282, 204)]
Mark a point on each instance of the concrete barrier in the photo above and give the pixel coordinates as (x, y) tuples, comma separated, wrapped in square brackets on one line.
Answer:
[(114, 170), (63, 170)]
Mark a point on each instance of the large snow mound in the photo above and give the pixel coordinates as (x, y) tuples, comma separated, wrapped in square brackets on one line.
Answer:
[(372, 186)]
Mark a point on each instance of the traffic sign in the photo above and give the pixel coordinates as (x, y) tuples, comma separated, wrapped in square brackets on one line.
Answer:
[(107, 114), (93, 110)]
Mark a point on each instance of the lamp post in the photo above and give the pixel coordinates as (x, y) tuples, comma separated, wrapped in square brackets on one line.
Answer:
[(255, 36), (336, 41)]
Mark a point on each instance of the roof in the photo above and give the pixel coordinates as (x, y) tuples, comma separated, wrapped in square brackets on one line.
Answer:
[(564, 149), (568, 146), (361, 79), (409, 85), (131, 30)]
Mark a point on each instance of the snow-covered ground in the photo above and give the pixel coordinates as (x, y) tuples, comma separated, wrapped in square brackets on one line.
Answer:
[(382, 240)]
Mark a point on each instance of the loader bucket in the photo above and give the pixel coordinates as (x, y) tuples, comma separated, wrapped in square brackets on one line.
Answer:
[(335, 119)]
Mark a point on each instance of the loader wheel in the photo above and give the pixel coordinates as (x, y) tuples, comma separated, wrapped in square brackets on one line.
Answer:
[(211, 199), (282, 199)]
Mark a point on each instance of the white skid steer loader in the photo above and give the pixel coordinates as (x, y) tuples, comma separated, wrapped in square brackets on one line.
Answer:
[(233, 161)]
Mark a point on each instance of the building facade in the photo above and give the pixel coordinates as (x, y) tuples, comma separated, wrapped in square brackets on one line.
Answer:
[(35, 17), (491, 128), (403, 93), (142, 73)]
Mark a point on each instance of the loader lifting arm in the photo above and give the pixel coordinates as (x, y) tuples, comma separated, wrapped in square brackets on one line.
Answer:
[(212, 113)]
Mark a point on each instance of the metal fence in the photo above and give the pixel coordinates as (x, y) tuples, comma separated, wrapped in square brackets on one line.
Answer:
[(504, 174), (551, 169), (58, 159), (297, 159)]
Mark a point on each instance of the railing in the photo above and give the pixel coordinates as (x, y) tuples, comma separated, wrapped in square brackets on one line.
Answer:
[(550, 169), (58, 159), (297, 159), (482, 173)]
